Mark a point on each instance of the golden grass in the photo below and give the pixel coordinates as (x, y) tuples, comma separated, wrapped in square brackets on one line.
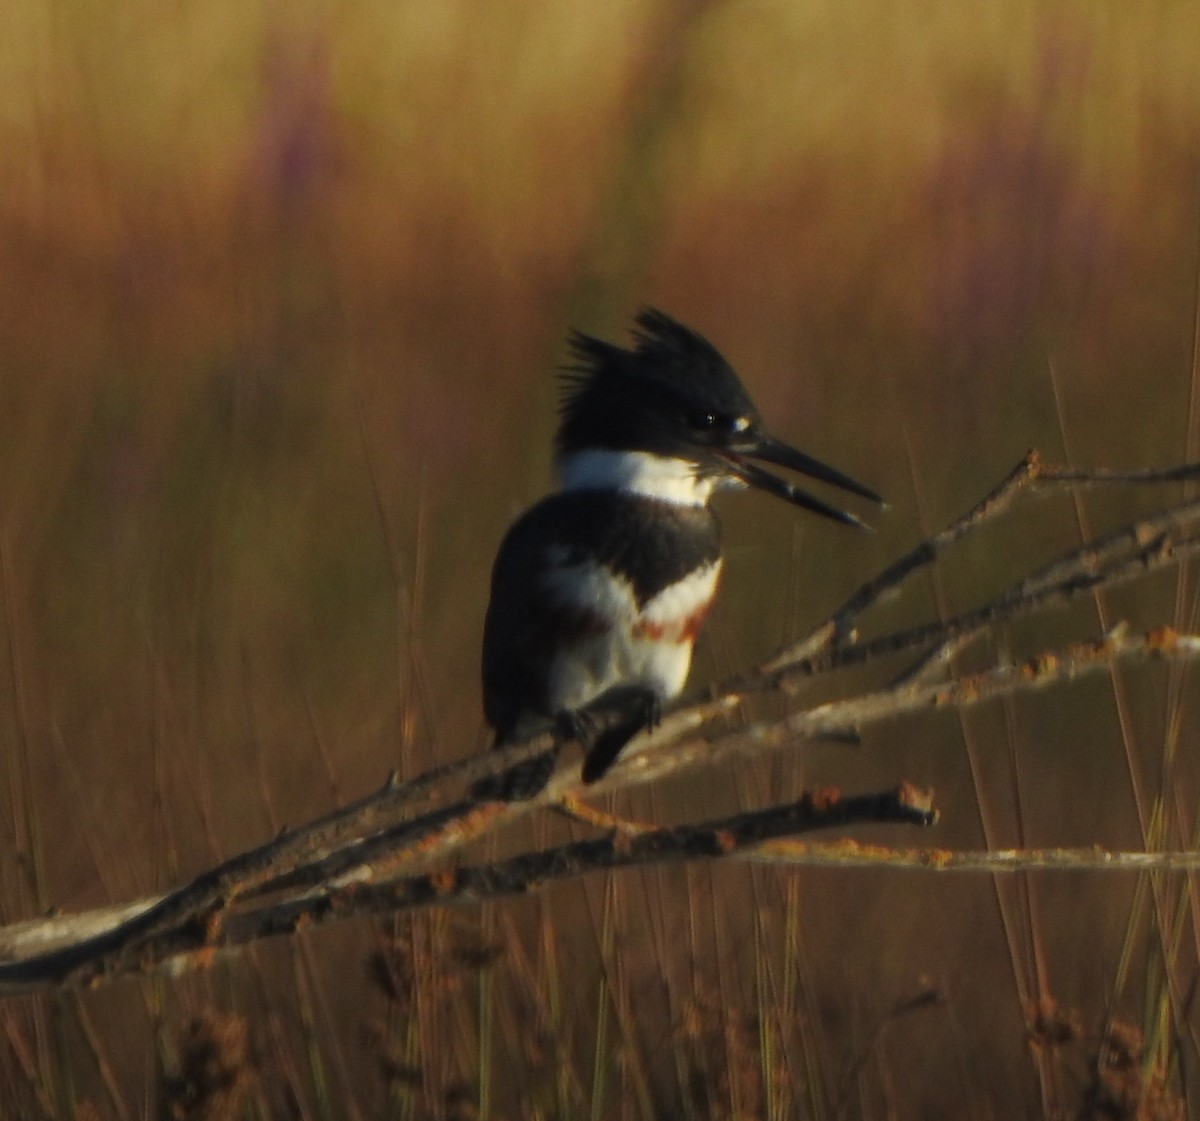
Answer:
[(280, 293)]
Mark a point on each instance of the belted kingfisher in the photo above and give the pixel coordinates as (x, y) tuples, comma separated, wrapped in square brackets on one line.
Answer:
[(599, 590)]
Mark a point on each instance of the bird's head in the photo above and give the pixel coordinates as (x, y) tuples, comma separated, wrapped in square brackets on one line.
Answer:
[(672, 399)]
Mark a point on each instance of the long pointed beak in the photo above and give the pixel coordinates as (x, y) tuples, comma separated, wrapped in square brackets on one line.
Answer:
[(770, 450)]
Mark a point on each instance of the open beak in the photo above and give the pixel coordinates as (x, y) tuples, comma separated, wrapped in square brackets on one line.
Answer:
[(770, 450)]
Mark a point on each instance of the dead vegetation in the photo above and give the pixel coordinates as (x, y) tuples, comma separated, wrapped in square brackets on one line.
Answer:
[(381, 856)]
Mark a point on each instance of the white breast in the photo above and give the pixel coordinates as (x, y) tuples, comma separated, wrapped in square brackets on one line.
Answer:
[(649, 645)]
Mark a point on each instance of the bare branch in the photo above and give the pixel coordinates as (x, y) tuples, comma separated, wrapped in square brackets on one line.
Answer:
[(1030, 473), (350, 859), (850, 855), (839, 626), (516, 875), (664, 752), (653, 760), (724, 837)]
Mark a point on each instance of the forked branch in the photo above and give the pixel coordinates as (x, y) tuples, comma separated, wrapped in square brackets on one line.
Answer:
[(394, 848)]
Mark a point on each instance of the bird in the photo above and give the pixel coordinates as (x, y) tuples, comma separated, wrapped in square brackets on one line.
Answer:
[(600, 589)]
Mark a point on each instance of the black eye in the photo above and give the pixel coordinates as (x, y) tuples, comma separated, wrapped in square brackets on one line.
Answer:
[(725, 424)]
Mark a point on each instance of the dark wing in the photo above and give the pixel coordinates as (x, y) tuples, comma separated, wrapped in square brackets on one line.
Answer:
[(519, 632)]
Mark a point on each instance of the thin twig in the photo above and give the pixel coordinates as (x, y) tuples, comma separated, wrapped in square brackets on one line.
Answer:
[(655, 761), (851, 855), (839, 626), (1158, 552)]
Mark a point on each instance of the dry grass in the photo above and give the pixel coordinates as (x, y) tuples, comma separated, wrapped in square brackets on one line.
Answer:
[(214, 1071), (280, 293)]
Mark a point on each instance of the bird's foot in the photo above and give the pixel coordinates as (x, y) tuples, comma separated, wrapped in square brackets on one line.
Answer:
[(578, 810), (637, 710)]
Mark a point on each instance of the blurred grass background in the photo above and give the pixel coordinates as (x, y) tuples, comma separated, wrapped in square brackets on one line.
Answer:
[(282, 290)]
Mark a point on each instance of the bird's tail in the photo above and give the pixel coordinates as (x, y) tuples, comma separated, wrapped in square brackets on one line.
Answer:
[(520, 783)]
